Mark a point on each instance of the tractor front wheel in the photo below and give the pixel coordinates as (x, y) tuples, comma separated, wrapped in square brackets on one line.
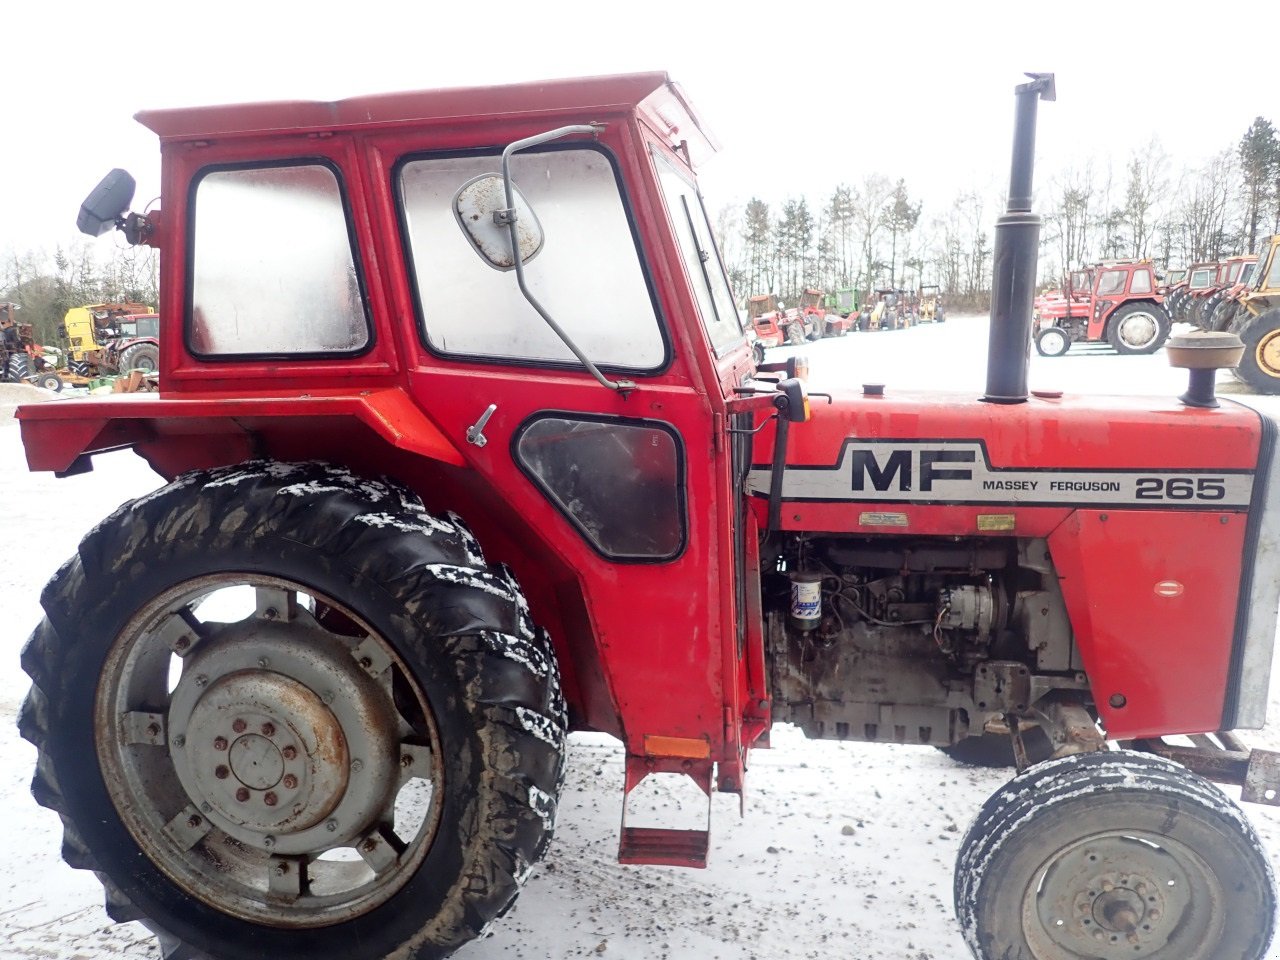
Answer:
[(1110, 856), (284, 712), (49, 381), (1052, 342), (1260, 365), (1138, 328)]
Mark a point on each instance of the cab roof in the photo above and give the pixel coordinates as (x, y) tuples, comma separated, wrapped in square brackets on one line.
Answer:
[(654, 95)]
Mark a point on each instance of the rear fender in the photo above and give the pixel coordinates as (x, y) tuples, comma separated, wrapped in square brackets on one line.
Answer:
[(62, 436)]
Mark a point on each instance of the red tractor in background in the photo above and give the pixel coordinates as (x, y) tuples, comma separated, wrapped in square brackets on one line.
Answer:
[(775, 326), (1115, 302), (1217, 308), (309, 699), (827, 323)]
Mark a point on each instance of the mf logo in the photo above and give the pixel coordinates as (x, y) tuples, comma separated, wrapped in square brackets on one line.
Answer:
[(899, 469)]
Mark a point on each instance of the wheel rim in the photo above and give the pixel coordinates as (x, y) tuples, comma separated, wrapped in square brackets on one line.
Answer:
[(286, 755), (1053, 343), (1139, 330), (1267, 354), (1123, 895)]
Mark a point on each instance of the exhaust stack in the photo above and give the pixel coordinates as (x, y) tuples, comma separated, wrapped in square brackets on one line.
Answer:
[(1017, 251)]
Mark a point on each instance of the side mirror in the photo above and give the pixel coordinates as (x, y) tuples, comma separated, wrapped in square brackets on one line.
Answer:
[(480, 207), (107, 204)]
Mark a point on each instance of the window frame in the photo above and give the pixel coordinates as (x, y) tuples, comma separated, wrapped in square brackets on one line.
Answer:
[(628, 209), (357, 260)]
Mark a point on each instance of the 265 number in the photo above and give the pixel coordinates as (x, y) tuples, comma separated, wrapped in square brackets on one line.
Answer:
[(1181, 488)]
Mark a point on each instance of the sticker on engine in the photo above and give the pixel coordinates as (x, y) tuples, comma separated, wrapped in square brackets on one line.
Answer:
[(958, 471)]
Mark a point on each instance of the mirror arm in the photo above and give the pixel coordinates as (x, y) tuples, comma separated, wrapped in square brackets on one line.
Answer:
[(507, 218)]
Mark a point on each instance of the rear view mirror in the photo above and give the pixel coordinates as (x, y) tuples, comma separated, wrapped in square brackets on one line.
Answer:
[(480, 207), (107, 204)]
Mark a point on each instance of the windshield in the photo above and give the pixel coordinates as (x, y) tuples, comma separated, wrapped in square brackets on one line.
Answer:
[(701, 258)]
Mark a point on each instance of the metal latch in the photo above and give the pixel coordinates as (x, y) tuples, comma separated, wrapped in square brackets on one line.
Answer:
[(475, 432)]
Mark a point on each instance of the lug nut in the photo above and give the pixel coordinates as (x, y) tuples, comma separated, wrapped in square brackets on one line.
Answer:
[(202, 680), (219, 743), (406, 760), (263, 663), (221, 772), (270, 799), (290, 781), (153, 729), (194, 821), (268, 729), (179, 741), (239, 726), (289, 753), (269, 842), (282, 869), (242, 794), (369, 845), (1153, 914), (269, 613), (365, 662), (357, 765), (182, 642), (331, 825)]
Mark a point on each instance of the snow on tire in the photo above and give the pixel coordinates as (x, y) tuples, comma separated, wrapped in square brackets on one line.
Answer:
[(1109, 855), (283, 711)]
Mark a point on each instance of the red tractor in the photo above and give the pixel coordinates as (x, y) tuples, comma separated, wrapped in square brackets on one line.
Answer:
[(309, 700), (1219, 305), (826, 323), (1114, 302), (775, 326)]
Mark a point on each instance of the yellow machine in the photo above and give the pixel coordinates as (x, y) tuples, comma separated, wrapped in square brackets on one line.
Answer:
[(84, 326)]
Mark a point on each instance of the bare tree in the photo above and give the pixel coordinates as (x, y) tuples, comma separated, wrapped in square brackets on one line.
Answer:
[(1145, 193), (869, 203)]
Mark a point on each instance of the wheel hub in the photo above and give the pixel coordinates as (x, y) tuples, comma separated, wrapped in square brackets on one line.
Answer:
[(1268, 353), (270, 755), (1138, 329), (1113, 898), (279, 736)]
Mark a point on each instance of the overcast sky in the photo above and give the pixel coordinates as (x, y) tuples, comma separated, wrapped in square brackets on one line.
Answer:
[(802, 95)]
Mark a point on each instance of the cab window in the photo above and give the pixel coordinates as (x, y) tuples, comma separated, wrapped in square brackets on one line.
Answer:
[(273, 268), (588, 274), (1111, 282), (701, 258)]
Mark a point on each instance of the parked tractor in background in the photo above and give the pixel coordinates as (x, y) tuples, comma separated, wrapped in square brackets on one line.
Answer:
[(309, 699), (930, 299), (1256, 320), (1113, 302), (844, 302), (817, 318), (1219, 306), (1198, 281), (109, 338), (882, 311), (22, 360), (774, 325)]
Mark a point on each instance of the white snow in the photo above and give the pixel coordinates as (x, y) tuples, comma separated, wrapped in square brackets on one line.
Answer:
[(786, 880)]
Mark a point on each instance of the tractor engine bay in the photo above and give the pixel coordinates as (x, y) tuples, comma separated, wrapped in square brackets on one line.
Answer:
[(901, 640)]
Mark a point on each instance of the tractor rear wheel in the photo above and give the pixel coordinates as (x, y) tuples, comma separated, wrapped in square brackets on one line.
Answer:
[(140, 356), (1260, 365), (283, 712), (1052, 342), (795, 336), (1109, 856), (1138, 328)]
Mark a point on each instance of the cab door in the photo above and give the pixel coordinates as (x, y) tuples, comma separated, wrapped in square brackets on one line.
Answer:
[(609, 502)]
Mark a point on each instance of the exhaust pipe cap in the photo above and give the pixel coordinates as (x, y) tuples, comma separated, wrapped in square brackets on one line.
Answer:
[(1203, 353)]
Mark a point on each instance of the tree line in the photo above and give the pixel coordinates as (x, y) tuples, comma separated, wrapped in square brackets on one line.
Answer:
[(872, 235)]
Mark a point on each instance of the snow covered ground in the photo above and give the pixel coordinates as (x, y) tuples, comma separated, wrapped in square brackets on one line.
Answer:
[(845, 850)]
